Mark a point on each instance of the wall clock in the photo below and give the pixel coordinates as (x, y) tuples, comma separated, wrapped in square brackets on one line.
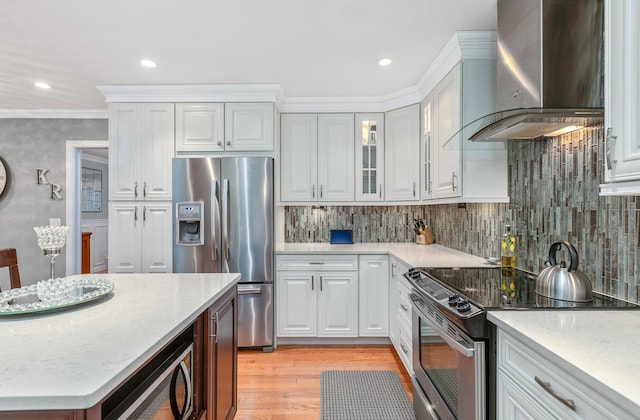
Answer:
[(3, 177)]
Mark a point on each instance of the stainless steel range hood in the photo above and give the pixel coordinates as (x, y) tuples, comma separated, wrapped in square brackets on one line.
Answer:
[(550, 75)]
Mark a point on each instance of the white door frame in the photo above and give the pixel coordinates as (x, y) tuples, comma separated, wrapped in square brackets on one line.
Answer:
[(73, 209)]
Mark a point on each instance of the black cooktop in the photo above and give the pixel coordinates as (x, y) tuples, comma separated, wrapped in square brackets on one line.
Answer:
[(497, 288)]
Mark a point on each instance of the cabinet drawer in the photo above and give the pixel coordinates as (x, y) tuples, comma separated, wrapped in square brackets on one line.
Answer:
[(405, 350), (317, 262), (404, 307), (524, 365)]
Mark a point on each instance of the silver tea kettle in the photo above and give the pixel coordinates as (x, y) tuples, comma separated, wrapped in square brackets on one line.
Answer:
[(559, 282)]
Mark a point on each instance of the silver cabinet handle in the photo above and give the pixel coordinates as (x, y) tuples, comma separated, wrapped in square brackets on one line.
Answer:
[(454, 178), (414, 189), (144, 213), (609, 144), (547, 387), (213, 328), (404, 307), (135, 214), (316, 262), (144, 189), (393, 270), (321, 283), (228, 143), (320, 190), (219, 143), (135, 190), (404, 348), (517, 93), (215, 215), (312, 288), (380, 190), (313, 191)]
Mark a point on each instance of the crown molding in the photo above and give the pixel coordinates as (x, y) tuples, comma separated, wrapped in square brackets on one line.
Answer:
[(193, 93), (463, 45), (99, 114)]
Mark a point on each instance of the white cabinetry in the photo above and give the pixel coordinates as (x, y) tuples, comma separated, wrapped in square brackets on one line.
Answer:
[(317, 296), (317, 157), (452, 167), (218, 127), (140, 151), (374, 296), (400, 314), (140, 237), (402, 146), (369, 162), (530, 385), (622, 98)]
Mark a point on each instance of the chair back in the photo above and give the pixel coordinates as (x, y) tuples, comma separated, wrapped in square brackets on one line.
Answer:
[(9, 258)]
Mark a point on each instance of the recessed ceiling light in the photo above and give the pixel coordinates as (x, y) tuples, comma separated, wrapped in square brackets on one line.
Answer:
[(42, 85), (384, 61), (148, 63)]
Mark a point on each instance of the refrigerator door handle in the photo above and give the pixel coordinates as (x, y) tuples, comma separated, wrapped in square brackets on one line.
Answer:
[(215, 209), (225, 217)]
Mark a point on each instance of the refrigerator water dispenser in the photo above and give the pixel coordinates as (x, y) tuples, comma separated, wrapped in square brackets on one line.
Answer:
[(190, 223)]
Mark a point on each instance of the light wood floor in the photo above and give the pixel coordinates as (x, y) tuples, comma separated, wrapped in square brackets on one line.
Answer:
[(285, 384)]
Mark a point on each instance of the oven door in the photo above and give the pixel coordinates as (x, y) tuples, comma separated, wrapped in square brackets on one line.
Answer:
[(449, 367)]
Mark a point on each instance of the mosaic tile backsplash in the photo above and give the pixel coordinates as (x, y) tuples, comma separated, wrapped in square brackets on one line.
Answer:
[(553, 185)]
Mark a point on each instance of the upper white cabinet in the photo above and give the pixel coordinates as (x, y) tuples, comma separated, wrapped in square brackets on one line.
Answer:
[(402, 145), (317, 157), (141, 140), (369, 157), (452, 167), (230, 127), (622, 98), (199, 127)]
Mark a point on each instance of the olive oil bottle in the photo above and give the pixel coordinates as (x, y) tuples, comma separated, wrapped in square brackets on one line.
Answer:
[(508, 248)]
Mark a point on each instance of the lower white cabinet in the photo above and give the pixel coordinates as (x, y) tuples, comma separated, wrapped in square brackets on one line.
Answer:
[(400, 314), (533, 386), (317, 296), (374, 296), (140, 237)]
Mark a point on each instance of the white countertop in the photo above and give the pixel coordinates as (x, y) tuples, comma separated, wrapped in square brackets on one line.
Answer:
[(411, 254), (602, 345), (73, 359)]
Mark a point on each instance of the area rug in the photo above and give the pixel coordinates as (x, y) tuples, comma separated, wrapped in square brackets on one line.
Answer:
[(363, 395)]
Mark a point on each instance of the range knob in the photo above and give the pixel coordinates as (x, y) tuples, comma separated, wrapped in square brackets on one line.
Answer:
[(414, 274), (454, 299), (463, 305)]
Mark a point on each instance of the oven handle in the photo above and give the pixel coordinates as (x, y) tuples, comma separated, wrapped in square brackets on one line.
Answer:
[(456, 345)]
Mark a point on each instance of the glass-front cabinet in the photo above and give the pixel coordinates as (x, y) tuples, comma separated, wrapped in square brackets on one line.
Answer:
[(369, 157), (425, 150)]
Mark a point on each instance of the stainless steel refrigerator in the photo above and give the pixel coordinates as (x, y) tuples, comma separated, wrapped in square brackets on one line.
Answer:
[(223, 223)]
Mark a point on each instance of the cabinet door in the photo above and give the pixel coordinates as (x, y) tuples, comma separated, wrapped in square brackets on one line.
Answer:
[(125, 224), (514, 403), (338, 304), (447, 157), (296, 304), (426, 150), (299, 158), (248, 127), (200, 127), (222, 401), (369, 162), (402, 144), (157, 151), (335, 157), (125, 151), (622, 96), (373, 304), (156, 242)]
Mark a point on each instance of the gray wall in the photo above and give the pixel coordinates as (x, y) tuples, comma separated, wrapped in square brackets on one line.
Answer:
[(553, 185), (27, 145)]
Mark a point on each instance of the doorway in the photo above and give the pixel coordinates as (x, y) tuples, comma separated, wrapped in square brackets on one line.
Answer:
[(74, 203)]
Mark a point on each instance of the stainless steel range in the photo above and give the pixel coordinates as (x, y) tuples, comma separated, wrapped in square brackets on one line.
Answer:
[(453, 343)]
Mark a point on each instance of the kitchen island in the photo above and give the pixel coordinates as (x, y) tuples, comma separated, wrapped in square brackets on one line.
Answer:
[(585, 357), (75, 358)]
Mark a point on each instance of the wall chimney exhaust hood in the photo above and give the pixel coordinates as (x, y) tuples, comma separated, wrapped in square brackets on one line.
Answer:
[(550, 73)]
